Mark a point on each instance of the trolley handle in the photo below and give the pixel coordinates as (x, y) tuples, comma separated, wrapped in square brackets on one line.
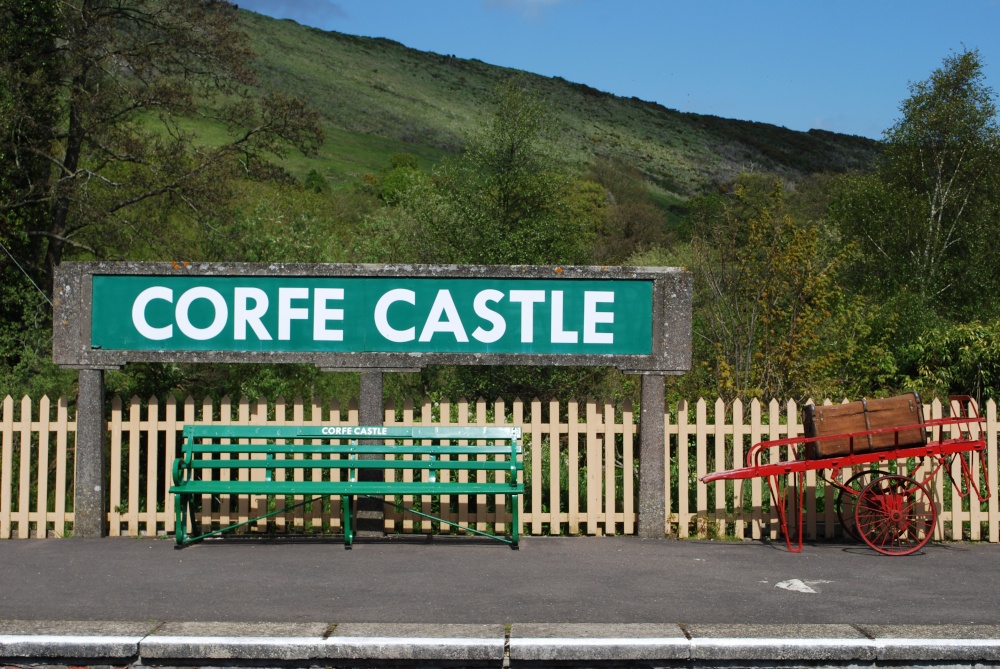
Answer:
[(753, 455)]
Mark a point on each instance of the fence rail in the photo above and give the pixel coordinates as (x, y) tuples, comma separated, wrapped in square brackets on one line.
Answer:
[(580, 467)]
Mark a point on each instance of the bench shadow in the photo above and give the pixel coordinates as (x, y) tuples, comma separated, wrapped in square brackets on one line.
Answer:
[(338, 540), (429, 539)]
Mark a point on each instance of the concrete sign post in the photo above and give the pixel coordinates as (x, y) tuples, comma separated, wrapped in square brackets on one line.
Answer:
[(371, 319)]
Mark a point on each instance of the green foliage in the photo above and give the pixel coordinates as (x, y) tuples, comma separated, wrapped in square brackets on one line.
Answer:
[(404, 160), (924, 221), (28, 110), (927, 217), (503, 201), (26, 344), (403, 231), (316, 182), (629, 222), (768, 302), (508, 193), (527, 383), (287, 223), (145, 380), (103, 91), (960, 358)]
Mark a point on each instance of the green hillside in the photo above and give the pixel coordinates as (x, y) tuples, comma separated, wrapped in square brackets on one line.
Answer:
[(378, 97)]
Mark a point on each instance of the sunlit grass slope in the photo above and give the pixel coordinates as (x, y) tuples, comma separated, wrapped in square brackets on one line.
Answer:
[(378, 97)]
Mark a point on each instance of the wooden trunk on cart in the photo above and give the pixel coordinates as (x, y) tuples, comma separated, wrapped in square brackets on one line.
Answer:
[(863, 416)]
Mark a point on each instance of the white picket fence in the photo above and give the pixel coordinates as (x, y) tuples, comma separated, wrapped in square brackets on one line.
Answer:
[(581, 467)]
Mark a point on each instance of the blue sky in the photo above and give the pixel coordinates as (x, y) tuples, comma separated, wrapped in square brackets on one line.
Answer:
[(839, 65)]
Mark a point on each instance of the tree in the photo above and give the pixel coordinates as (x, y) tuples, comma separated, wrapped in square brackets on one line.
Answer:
[(125, 84), (102, 107), (413, 223), (630, 223), (508, 193), (956, 359), (28, 111), (767, 301), (927, 217), (503, 201)]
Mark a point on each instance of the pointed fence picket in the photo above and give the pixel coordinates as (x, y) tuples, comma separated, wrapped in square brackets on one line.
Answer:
[(581, 469)]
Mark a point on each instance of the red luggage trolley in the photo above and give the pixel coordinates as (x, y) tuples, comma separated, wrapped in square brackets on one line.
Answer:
[(891, 512)]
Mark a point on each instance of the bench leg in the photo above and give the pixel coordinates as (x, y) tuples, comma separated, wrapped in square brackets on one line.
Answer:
[(345, 504), (182, 511), (180, 519), (195, 523), (515, 525)]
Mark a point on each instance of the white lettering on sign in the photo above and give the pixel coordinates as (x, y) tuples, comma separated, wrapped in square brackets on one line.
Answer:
[(323, 314), (591, 317), (139, 313), (243, 315), (481, 306), (560, 336), (287, 313), (527, 299), (318, 306), (352, 431), (218, 304), (451, 322), (382, 315)]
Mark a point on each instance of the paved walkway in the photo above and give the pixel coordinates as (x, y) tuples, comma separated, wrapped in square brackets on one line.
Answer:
[(577, 599)]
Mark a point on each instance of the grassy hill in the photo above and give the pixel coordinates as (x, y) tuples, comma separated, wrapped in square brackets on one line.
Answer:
[(378, 97)]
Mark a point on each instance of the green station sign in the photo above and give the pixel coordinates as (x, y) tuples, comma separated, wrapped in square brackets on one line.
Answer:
[(372, 314)]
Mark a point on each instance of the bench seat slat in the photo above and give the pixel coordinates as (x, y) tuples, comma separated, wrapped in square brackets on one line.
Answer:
[(453, 465), (342, 488)]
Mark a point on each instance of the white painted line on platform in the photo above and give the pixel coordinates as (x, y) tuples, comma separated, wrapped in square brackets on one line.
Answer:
[(579, 641), (55, 645), (232, 640), (411, 641), (68, 638), (941, 643), (805, 643)]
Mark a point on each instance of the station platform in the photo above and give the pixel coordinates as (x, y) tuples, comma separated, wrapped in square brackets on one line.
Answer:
[(456, 601)]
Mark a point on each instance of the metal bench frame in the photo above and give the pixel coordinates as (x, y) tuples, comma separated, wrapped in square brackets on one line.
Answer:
[(252, 447)]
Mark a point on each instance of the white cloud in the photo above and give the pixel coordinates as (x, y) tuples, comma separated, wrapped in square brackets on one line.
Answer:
[(531, 8)]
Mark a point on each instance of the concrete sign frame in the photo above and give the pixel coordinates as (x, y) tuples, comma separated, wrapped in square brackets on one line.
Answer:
[(670, 318), (660, 299)]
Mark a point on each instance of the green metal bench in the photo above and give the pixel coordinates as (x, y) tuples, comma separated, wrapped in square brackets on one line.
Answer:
[(213, 457)]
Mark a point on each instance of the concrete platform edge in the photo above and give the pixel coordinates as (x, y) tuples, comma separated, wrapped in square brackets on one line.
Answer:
[(40, 643)]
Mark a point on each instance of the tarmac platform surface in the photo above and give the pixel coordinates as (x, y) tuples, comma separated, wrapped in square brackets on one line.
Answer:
[(587, 600)]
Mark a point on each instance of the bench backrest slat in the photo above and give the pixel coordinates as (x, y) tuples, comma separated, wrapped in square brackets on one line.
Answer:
[(453, 465), (347, 432), (346, 449), (318, 449)]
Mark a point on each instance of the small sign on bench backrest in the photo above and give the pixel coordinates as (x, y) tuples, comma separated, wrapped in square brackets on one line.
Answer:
[(350, 432)]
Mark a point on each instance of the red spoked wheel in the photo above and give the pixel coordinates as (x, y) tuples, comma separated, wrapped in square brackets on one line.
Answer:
[(895, 515), (845, 502)]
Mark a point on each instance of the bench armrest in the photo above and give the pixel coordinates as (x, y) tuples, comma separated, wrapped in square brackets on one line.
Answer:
[(181, 465)]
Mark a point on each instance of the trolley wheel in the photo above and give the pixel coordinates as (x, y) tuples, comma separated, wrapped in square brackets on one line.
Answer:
[(895, 515), (845, 502)]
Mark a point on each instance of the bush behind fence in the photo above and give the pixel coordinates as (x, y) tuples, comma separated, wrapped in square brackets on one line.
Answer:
[(580, 466)]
